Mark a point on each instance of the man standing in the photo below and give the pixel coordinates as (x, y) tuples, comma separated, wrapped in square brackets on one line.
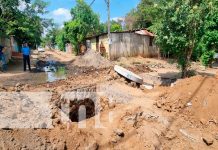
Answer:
[(26, 56), (3, 58)]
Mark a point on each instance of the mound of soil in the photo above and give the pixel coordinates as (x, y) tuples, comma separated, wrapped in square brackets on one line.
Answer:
[(140, 68), (92, 59), (198, 95)]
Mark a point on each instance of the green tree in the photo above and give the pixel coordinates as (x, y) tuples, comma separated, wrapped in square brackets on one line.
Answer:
[(208, 42), (148, 14), (179, 31), (50, 38), (61, 39), (8, 11), (130, 20), (26, 24), (55, 37), (84, 23), (116, 26), (207, 57), (102, 28)]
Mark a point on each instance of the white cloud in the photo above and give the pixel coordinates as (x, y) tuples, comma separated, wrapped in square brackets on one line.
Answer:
[(62, 12), (60, 15), (121, 19), (22, 5), (62, 26)]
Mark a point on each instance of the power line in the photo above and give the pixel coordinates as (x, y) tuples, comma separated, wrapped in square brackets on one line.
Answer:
[(92, 3)]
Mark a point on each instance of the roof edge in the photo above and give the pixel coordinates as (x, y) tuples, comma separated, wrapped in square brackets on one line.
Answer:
[(126, 31)]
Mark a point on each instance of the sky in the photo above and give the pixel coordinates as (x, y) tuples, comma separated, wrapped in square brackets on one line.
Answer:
[(59, 10)]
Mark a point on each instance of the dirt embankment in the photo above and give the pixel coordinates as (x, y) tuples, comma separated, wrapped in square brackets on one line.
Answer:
[(197, 94), (192, 106)]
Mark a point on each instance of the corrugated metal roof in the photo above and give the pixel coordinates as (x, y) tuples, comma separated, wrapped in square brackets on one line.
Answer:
[(144, 32)]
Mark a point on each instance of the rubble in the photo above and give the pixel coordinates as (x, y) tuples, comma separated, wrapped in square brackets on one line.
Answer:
[(207, 140), (119, 132), (216, 136), (93, 146), (128, 74), (140, 68), (147, 86), (171, 135)]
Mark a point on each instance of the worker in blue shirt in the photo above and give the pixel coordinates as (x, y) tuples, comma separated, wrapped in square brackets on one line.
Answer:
[(26, 56), (3, 58)]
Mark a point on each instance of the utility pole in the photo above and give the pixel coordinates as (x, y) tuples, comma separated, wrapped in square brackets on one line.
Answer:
[(109, 25)]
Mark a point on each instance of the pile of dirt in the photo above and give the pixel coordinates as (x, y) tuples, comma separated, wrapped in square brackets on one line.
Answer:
[(92, 59), (140, 68), (197, 95)]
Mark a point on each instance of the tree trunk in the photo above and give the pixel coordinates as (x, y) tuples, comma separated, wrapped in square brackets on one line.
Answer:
[(76, 48), (184, 71), (187, 61)]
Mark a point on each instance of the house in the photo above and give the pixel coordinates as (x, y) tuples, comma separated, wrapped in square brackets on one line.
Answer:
[(124, 44), (6, 42), (11, 46)]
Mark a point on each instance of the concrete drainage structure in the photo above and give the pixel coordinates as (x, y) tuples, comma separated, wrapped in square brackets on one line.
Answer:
[(81, 110), (79, 104)]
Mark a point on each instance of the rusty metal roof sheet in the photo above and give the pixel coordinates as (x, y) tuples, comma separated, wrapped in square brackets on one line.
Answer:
[(144, 32)]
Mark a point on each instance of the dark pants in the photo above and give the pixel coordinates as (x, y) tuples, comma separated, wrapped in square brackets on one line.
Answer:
[(4, 64), (26, 59)]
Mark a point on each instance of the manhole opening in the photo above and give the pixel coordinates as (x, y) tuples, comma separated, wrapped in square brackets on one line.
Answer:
[(81, 110)]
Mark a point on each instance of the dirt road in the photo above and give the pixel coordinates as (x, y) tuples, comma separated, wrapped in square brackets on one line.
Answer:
[(15, 73)]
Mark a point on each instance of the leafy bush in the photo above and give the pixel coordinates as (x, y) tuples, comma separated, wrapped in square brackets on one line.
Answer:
[(207, 58)]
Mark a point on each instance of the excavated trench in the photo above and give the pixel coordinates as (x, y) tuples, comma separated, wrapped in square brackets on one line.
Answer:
[(81, 110), (81, 103)]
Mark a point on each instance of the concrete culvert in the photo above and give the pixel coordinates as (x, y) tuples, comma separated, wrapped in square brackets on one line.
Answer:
[(81, 110)]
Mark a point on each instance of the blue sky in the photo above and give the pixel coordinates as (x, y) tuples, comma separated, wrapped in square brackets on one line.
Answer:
[(59, 10)]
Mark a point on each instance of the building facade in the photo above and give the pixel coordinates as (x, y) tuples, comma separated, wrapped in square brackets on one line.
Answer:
[(11, 46), (124, 44)]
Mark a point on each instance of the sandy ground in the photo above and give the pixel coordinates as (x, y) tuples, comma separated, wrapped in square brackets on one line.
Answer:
[(180, 116), (60, 56)]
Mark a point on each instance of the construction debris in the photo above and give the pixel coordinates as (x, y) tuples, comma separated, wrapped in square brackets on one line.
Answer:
[(128, 74), (207, 140)]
